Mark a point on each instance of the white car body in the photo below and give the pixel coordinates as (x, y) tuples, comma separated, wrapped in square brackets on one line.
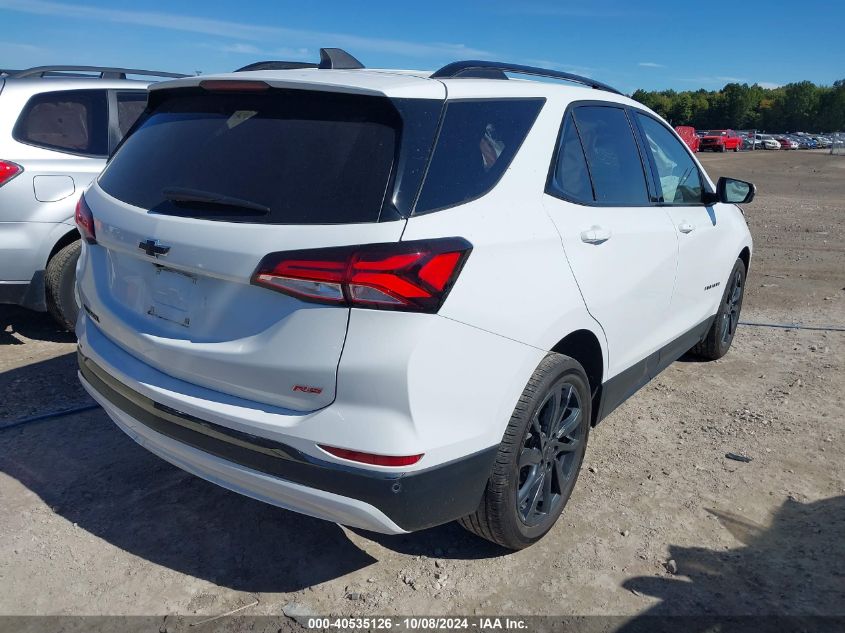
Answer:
[(633, 287), (767, 142)]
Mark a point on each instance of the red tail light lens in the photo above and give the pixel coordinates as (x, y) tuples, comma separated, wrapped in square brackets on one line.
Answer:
[(85, 221), (412, 276), (370, 458), (8, 170)]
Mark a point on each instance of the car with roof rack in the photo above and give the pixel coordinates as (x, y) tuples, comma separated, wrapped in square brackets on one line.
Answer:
[(58, 125), (393, 299)]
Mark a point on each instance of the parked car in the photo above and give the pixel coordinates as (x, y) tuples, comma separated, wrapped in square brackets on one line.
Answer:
[(786, 142), (720, 141), (57, 126), (288, 279), (767, 141), (689, 136)]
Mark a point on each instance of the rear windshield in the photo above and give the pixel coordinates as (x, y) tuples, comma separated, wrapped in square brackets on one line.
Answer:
[(281, 157)]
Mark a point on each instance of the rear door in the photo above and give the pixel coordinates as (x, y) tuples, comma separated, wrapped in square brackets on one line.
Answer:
[(621, 248), (206, 186)]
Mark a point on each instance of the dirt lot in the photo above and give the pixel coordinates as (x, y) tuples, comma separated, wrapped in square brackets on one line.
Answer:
[(660, 521)]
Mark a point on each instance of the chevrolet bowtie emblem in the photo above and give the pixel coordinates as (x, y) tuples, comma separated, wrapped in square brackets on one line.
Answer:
[(154, 248)]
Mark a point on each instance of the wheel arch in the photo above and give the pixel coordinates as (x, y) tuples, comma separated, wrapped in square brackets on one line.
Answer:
[(584, 346), (745, 256), (68, 238)]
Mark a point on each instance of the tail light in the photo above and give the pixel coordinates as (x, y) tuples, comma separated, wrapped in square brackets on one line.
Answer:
[(8, 170), (85, 221), (412, 276), (371, 458), (230, 85)]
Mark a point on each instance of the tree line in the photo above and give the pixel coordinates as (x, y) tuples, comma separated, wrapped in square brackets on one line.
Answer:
[(795, 107)]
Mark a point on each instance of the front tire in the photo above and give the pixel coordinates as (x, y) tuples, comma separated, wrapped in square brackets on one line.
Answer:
[(719, 337), (59, 281), (539, 458)]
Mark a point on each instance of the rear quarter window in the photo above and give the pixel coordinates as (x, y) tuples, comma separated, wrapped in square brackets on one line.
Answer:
[(477, 141), (73, 121)]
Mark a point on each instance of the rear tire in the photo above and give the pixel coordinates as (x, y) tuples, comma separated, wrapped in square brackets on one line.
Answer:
[(539, 458), (719, 337), (59, 281)]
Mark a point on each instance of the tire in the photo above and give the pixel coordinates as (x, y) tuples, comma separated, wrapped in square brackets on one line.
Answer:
[(59, 281), (550, 469), (719, 337), (736, 148)]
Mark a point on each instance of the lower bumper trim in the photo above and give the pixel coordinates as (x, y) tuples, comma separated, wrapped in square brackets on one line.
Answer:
[(413, 501)]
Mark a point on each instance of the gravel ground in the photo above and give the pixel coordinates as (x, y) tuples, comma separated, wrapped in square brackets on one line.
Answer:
[(660, 522)]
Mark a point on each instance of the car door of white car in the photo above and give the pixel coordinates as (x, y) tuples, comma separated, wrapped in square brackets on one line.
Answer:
[(621, 247), (698, 285)]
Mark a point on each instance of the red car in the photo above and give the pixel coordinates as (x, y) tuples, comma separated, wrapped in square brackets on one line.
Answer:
[(689, 136), (720, 141)]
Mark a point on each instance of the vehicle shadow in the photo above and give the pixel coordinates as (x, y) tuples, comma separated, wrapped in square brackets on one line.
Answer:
[(94, 476), (40, 387), (37, 326), (791, 572), (91, 474)]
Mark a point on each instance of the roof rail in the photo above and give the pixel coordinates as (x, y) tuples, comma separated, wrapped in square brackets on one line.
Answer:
[(496, 70), (330, 58), (106, 72)]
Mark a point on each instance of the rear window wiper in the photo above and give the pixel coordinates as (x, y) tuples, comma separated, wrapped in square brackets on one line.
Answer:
[(182, 194)]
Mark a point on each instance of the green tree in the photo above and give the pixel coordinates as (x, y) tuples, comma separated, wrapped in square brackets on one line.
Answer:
[(799, 106)]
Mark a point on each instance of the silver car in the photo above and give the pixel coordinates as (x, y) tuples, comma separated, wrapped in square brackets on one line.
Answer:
[(58, 125)]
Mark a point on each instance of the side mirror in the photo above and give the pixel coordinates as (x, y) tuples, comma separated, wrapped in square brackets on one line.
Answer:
[(733, 191)]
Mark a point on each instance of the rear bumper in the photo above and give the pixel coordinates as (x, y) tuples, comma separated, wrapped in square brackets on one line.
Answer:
[(279, 474), (29, 294), (12, 291)]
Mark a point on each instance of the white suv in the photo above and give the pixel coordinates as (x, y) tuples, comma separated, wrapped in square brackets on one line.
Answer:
[(57, 127), (393, 299)]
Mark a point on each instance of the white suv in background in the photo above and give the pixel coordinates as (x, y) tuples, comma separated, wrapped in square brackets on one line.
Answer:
[(393, 299), (57, 127)]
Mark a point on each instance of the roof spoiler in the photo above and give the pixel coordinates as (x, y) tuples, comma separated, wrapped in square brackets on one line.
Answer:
[(330, 58)]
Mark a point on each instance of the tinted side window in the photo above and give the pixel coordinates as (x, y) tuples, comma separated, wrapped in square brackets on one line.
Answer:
[(72, 120), (477, 142), (130, 105), (612, 155), (679, 178), (571, 176)]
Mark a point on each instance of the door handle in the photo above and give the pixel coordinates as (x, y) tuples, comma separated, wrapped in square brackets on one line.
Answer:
[(686, 227), (595, 235)]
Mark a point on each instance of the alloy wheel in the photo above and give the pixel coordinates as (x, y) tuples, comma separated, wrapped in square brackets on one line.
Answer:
[(550, 455), (733, 302)]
